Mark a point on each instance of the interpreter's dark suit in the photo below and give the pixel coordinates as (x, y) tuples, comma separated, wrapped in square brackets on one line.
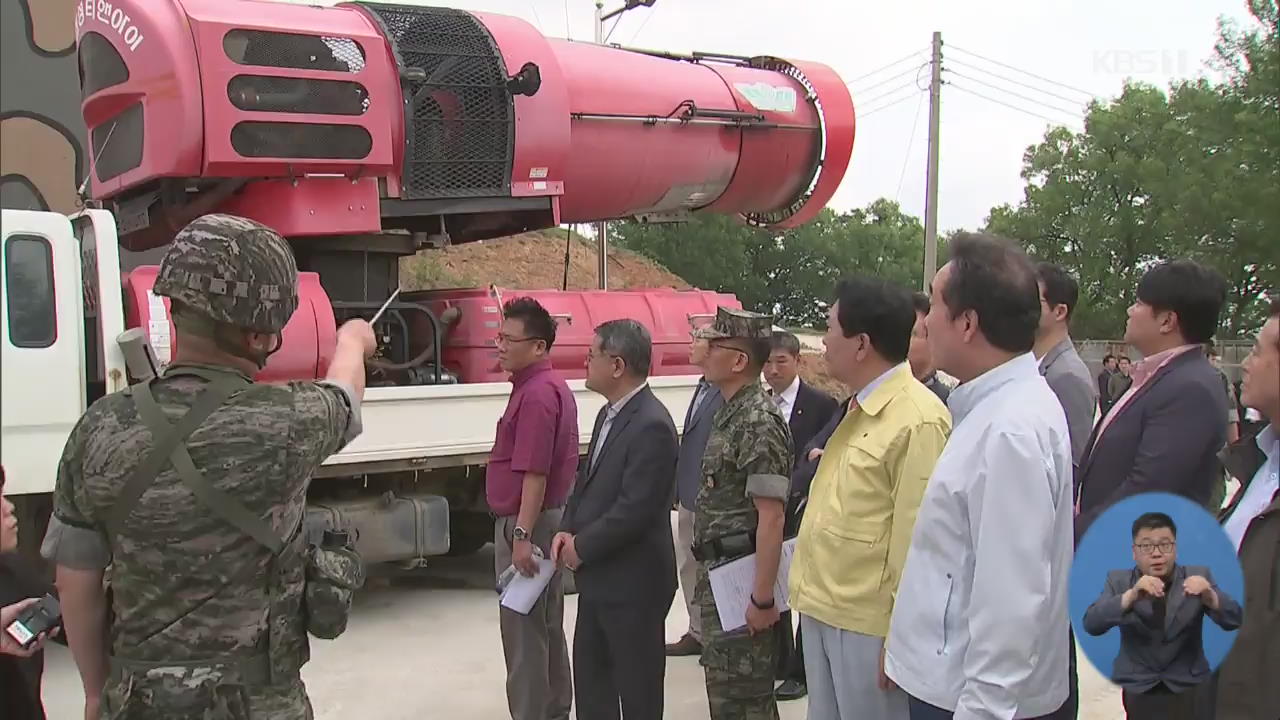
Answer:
[(1159, 645), (1166, 438), (620, 511)]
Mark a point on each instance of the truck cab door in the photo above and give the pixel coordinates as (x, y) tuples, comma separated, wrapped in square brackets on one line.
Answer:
[(42, 322)]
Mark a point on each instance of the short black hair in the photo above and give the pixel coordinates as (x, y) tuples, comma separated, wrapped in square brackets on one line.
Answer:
[(1124, 358), (1060, 288), (1211, 350), (1107, 357), (995, 279), (1154, 521), (538, 323), (880, 309), (630, 341), (921, 302), (1195, 292), (757, 351), (783, 341)]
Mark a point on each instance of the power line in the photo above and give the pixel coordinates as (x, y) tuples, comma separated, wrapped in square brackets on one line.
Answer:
[(1015, 82), (1017, 95), (873, 111), (910, 142), (534, 6), (611, 29), (962, 88), (882, 68), (889, 79), (636, 34), (880, 96), (1024, 72)]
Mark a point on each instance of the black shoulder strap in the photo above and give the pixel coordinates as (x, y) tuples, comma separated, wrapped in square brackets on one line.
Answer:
[(170, 446)]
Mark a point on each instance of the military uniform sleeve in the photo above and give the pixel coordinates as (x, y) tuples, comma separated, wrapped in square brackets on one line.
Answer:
[(326, 419), (766, 460), (73, 539)]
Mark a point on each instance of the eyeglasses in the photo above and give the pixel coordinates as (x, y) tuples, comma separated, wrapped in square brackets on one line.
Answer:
[(1148, 548), (502, 339), (592, 355), (727, 347)]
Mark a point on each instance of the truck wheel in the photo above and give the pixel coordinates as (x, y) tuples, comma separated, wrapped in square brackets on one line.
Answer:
[(468, 532)]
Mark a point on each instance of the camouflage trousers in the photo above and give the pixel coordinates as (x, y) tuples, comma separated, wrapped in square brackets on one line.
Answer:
[(739, 666), (185, 693)]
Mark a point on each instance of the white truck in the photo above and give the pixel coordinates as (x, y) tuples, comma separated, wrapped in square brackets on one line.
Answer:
[(366, 132)]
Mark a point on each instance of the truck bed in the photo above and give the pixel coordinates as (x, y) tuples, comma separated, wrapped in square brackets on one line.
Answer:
[(452, 425)]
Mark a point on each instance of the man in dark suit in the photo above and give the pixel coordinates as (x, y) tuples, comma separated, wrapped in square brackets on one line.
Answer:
[(1165, 432), (1104, 380), (617, 534), (703, 405), (1160, 607), (807, 410)]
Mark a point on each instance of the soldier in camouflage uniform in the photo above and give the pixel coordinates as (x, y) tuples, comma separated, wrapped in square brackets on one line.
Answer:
[(207, 619), (740, 511)]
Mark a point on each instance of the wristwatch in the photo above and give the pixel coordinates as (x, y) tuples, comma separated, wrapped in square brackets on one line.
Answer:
[(520, 533), (762, 606)]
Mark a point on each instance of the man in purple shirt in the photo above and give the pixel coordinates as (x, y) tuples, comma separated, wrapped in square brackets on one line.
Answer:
[(530, 472)]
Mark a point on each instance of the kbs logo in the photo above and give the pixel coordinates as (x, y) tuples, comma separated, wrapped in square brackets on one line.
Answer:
[(118, 20)]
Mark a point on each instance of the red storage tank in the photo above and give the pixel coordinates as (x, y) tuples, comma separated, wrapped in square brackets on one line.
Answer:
[(470, 351), (310, 337)]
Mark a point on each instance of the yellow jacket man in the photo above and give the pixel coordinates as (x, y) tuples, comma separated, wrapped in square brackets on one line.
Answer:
[(862, 505)]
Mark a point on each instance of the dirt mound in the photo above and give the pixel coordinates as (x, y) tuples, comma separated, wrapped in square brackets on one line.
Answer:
[(532, 261), (535, 261), (813, 370)]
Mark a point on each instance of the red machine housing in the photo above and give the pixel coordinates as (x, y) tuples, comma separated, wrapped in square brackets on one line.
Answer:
[(470, 352), (309, 338), (367, 117)]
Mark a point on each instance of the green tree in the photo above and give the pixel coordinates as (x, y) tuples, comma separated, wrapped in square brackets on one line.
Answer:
[(1194, 172), (791, 273)]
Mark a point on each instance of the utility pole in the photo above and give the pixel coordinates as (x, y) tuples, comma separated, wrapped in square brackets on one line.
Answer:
[(602, 228), (931, 191)]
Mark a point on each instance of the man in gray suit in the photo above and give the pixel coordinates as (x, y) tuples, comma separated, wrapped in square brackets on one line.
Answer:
[(1160, 607), (616, 534), (697, 428), (1060, 364)]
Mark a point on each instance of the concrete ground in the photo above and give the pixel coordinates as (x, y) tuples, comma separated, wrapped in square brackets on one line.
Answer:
[(425, 645)]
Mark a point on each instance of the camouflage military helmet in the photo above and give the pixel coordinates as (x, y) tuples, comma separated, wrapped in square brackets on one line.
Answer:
[(732, 323), (233, 270)]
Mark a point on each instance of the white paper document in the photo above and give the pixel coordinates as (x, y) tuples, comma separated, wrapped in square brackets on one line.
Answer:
[(522, 592), (731, 585)]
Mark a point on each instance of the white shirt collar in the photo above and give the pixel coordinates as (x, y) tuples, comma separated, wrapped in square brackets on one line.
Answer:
[(1268, 440), (968, 395), (865, 392), (616, 408), (789, 395)]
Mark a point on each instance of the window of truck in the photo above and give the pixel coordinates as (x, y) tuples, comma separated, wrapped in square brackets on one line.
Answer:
[(28, 275)]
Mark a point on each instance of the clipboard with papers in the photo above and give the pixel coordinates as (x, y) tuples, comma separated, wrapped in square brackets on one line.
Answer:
[(731, 585)]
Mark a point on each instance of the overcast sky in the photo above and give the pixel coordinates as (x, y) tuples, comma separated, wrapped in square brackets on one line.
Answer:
[(1089, 45)]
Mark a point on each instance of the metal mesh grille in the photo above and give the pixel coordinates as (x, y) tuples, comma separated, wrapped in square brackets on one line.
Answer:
[(301, 140), (297, 95), (459, 116), (292, 50), (100, 64)]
